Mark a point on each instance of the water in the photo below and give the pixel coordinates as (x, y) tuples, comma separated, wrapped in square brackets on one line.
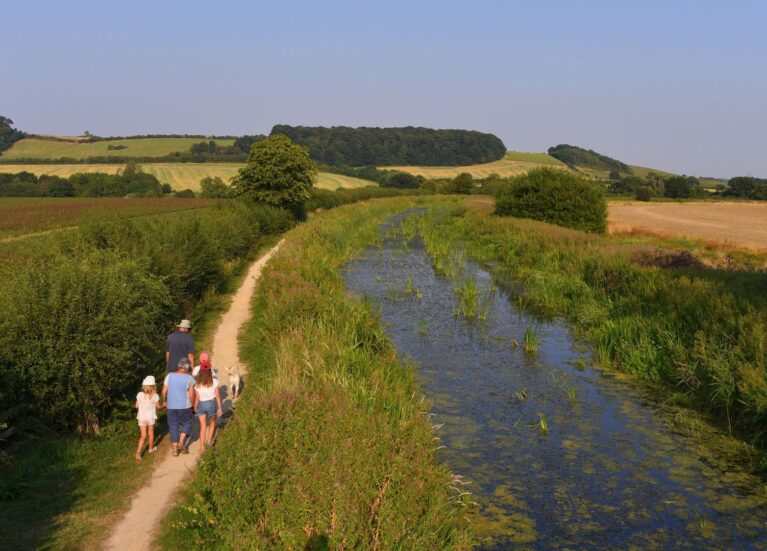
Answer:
[(616, 468)]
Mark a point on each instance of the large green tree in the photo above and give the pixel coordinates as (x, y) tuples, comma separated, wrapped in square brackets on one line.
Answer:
[(279, 173), (8, 134)]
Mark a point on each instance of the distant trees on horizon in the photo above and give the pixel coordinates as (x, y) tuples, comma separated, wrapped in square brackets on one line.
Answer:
[(368, 146)]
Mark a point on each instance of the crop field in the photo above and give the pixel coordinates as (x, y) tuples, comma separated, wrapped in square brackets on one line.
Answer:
[(738, 224), (35, 148), (512, 164), (179, 175), (22, 215)]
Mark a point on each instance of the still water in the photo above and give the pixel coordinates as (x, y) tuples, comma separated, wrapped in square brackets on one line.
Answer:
[(560, 454)]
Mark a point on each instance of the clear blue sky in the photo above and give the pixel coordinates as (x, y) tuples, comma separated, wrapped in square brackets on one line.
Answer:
[(678, 85)]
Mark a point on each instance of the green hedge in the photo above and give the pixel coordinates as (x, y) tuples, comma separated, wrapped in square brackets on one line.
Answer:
[(556, 196), (87, 314)]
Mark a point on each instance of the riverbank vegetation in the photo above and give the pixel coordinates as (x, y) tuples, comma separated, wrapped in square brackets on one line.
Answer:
[(331, 446), (697, 331)]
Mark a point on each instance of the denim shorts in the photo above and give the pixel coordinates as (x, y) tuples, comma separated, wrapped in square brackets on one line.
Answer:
[(208, 407)]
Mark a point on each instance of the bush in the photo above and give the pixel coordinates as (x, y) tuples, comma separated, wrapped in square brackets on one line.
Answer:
[(555, 196), (80, 333), (401, 180), (643, 193)]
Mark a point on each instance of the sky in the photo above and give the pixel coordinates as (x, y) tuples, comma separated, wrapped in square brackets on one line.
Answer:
[(675, 85)]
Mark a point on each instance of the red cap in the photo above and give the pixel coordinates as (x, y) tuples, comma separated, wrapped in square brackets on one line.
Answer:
[(205, 364)]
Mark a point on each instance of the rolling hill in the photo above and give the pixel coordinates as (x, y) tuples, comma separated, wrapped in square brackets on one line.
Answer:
[(69, 147), (512, 164)]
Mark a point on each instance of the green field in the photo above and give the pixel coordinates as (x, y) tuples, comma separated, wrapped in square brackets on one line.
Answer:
[(36, 148), (179, 175), (512, 164)]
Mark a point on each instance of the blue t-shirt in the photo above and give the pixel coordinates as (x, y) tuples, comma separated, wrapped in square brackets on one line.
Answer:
[(178, 390), (178, 346)]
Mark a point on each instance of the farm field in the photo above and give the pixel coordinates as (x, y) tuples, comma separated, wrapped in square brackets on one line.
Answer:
[(178, 175), (35, 148), (512, 164), (21, 215), (739, 224)]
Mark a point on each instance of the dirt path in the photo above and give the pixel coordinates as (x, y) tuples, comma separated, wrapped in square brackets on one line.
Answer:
[(137, 529)]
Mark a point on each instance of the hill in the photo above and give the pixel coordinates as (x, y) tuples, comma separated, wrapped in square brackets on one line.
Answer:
[(368, 146), (512, 164)]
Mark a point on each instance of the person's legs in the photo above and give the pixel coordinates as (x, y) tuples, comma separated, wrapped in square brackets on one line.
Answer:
[(173, 423), (151, 438), (185, 419), (211, 429), (203, 425), (141, 440)]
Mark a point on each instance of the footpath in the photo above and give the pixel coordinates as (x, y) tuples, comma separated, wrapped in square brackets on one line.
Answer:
[(138, 528)]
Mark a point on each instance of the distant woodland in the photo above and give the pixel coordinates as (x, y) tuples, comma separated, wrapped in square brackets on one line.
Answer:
[(366, 146)]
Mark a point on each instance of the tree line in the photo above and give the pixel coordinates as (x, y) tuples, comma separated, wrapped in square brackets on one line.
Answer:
[(368, 146), (579, 157)]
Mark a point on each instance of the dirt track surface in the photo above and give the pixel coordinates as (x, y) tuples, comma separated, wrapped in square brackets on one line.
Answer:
[(739, 224), (138, 528)]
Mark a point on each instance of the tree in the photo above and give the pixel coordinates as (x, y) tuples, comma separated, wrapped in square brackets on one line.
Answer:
[(8, 134), (463, 183), (677, 187), (615, 174), (214, 188), (402, 180), (279, 173), (555, 196), (643, 193)]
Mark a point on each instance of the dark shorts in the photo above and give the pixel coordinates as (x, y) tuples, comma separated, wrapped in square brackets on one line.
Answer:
[(208, 407), (179, 420)]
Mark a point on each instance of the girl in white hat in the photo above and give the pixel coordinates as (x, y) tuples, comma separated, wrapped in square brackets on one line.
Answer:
[(146, 403)]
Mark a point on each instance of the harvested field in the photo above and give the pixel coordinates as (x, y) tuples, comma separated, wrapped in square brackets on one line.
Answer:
[(512, 164), (35, 148), (729, 223), (178, 175)]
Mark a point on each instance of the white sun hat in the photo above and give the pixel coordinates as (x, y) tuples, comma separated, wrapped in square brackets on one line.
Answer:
[(149, 381)]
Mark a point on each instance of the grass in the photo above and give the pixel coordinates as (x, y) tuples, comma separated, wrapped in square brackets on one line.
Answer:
[(178, 175), (512, 164), (21, 215), (35, 148), (330, 447), (696, 331)]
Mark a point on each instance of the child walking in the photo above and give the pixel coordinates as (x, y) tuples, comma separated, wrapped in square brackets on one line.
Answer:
[(207, 403), (146, 403)]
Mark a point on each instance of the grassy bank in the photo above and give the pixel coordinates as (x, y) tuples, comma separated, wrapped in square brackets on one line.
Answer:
[(651, 312), (330, 446)]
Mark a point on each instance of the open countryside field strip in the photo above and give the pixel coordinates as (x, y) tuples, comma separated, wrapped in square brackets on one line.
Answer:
[(20, 216), (178, 175), (740, 224), (512, 164), (33, 148)]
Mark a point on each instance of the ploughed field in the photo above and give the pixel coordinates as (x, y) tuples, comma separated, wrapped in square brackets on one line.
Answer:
[(178, 175), (740, 224), (23, 215)]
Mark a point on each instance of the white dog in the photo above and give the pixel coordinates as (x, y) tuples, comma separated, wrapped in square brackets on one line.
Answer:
[(234, 381)]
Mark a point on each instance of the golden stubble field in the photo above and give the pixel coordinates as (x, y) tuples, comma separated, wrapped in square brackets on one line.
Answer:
[(742, 224), (178, 175)]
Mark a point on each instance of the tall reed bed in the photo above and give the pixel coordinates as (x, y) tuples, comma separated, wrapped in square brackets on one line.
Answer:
[(700, 332), (331, 446)]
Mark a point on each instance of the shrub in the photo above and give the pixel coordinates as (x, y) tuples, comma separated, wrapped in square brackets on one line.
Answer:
[(643, 193), (555, 196), (80, 332)]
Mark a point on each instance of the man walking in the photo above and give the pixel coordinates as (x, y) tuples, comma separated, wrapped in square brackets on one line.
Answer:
[(177, 395), (180, 346)]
